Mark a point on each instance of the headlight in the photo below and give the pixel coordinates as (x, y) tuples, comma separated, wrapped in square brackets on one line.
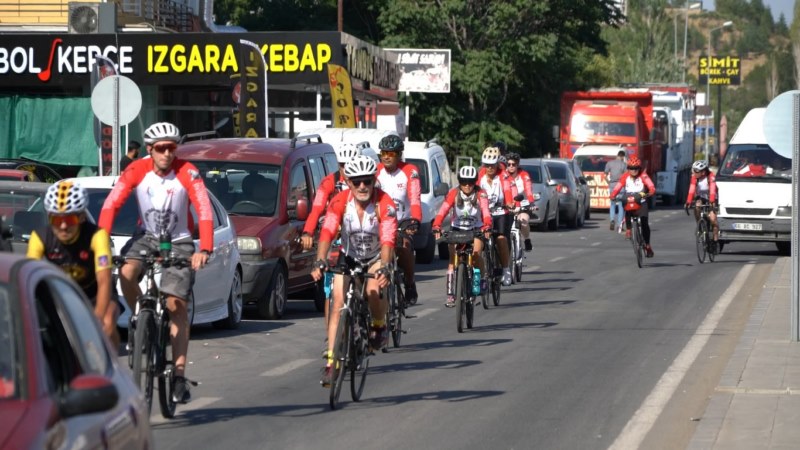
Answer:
[(784, 211), (248, 244)]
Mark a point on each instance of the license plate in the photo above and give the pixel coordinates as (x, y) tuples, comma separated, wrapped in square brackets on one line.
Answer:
[(747, 226)]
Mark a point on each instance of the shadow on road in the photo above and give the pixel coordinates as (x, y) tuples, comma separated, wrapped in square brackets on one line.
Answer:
[(513, 326), (422, 365), (208, 332), (449, 344), (514, 304)]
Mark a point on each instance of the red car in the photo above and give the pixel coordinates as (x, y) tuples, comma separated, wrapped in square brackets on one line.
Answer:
[(17, 175), (267, 187), (60, 384)]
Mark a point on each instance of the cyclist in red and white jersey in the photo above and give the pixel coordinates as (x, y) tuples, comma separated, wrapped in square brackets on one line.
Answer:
[(401, 181), (366, 218), (636, 180), (703, 190), (520, 182), (498, 189), (164, 186)]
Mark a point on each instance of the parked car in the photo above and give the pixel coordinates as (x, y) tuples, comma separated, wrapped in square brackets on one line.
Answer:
[(572, 200), (41, 171), (544, 194), (17, 175), (61, 385), (16, 200), (267, 187), (217, 287), (583, 185)]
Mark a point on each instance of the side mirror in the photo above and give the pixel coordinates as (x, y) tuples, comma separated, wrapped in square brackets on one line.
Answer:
[(88, 394), (552, 183), (302, 209), (582, 180), (441, 189), (589, 177)]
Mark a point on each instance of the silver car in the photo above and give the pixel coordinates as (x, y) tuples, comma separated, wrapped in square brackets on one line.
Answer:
[(572, 200), (544, 194)]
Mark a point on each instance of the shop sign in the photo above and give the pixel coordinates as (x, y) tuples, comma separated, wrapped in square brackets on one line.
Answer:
[(423, 70), (722, 70)]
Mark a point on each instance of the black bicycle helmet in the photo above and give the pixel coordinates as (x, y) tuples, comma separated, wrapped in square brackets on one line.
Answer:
[(513, 156), (392, 143)]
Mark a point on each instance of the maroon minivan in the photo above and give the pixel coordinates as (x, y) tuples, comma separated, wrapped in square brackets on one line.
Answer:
[(267, 186)]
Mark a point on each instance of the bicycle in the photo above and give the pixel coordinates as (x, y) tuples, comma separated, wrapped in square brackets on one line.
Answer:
[(148, 333), (395, 292), (463, 240), (517, 254), (633, 202), (351, 350), (704, 234), (494, 277)]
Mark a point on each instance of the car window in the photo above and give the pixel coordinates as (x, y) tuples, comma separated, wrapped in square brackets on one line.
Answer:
[(331, 163), (444, 169), (127, 219), (558, 171), (46, 174), (437, 176), (535, 173), (214, 213), (246, 189), (317, 167), (422, 168), (298, 187), (60, 358), (82, 326), (12, 201), (8, 349)]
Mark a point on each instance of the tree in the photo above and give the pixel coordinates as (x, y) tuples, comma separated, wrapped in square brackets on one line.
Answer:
[(794, 34)]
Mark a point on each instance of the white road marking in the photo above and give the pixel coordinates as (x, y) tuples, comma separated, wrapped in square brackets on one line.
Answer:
[(577, 250), (645, 417), (595, 244), (195, 403), (557, 258), (532, 268), (423, 313), (286, 368)]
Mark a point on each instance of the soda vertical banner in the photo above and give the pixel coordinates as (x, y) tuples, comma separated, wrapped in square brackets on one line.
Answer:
[(103, 67), (341, 97), (253, 105)]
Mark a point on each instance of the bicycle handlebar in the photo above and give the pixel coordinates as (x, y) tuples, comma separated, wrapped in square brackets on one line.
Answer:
[(154, 257)]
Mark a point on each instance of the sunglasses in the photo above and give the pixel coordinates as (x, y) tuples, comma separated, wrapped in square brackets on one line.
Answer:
[(359, 181), (634, 168), (490, 166), (161, 148), (389, 153), (68, 219), (511, 164)]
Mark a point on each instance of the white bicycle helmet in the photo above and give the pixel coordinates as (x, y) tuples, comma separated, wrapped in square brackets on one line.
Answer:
[(161, 131), (491, 155), (65, 197), (700, 165), (346, 152), (360, 166), (467, 173)]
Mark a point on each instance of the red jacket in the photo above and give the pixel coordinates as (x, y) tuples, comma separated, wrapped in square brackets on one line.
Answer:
[(648, 183), (450, 201), (712, 189), (526, 183), (326, 190)]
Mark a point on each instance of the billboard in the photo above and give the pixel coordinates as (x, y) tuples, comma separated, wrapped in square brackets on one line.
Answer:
[(423, 70), (721, 70)]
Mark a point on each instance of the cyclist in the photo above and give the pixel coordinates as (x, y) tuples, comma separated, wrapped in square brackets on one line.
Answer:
[(702, 191), (467, 200), (330, 186), (80, 248), (636, 180), (614, 170), (164, 186), (520, 182), (366, 218), (501, 201), (401, 181)]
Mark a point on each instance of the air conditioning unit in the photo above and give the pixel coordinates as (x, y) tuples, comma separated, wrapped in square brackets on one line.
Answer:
[(92, 18)]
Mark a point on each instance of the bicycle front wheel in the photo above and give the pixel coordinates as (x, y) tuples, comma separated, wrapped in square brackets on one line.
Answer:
[(165, 367), (144, 355), (513, 262), (636, 241), (359, 360), (701, 238), (460, 295), (341, 348), (710, 244)]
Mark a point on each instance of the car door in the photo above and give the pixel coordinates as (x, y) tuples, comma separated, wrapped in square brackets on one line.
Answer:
[(212, 282), (73, 345), (300, 261)]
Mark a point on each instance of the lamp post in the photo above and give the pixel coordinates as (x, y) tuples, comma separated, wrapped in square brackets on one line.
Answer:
[(708, 77), (686, 35)]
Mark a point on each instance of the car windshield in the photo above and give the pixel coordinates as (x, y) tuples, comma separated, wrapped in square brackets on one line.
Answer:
[(558, 171), (535, 172), (8, 349), (751, 162), (422, 167), (593, 163), (244, 189), (127, 218)]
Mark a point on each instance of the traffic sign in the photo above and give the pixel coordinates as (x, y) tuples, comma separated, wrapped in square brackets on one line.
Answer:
[(104, 100), (778, 123)]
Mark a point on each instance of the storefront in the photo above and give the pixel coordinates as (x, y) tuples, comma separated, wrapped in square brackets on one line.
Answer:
[(185, 78)]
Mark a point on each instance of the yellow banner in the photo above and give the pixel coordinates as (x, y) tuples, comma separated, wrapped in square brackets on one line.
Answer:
[(341, 97)]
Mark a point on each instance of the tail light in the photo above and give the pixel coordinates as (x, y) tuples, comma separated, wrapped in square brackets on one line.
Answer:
[(563, 189)]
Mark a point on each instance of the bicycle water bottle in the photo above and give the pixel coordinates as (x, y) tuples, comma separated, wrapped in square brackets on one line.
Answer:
[(164, 244), (328, 283), (476, 281)]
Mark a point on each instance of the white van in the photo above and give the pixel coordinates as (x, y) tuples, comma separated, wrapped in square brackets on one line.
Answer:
[(434, 170), (755, 188)]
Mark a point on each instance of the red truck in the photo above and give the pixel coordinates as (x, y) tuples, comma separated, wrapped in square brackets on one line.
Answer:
[(605, 118)]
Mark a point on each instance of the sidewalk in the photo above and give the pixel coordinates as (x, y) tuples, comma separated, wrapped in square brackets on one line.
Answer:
[(757, 402)]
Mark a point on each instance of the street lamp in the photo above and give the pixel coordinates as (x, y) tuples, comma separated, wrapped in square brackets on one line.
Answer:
[(708, 78), (686, 34)]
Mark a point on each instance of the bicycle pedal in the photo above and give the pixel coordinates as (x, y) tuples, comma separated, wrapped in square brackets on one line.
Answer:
[(410, 317)]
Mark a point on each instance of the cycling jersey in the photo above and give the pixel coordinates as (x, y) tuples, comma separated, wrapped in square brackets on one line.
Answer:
[(631, 184), (163, 200), (498, 190), (705, 188), (361, 238), (403, 186), (521, 183), (327, 189), (475, 205), (87, 254)]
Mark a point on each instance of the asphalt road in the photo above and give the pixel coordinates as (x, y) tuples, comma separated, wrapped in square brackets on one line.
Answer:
[(565, 361)]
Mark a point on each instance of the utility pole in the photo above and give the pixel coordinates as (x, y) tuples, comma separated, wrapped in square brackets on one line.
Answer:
[(340, 16)]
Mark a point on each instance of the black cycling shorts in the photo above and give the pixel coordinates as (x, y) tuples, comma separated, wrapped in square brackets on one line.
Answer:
[(502, 224)]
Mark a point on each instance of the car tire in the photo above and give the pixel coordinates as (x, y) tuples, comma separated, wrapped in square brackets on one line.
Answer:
[(588, 214), (444, 251), (574, 221), (425, 255), (784, 247), (272, 305), (554, 224), (235, 305)]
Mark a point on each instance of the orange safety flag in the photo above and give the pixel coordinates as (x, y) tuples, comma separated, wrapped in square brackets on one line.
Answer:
[(341, 97)]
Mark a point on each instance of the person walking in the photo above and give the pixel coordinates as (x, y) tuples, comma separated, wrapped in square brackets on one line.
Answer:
[(130, 155), (614, 170)]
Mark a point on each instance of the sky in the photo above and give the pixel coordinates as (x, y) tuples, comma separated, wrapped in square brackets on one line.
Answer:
[(776, 6)]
